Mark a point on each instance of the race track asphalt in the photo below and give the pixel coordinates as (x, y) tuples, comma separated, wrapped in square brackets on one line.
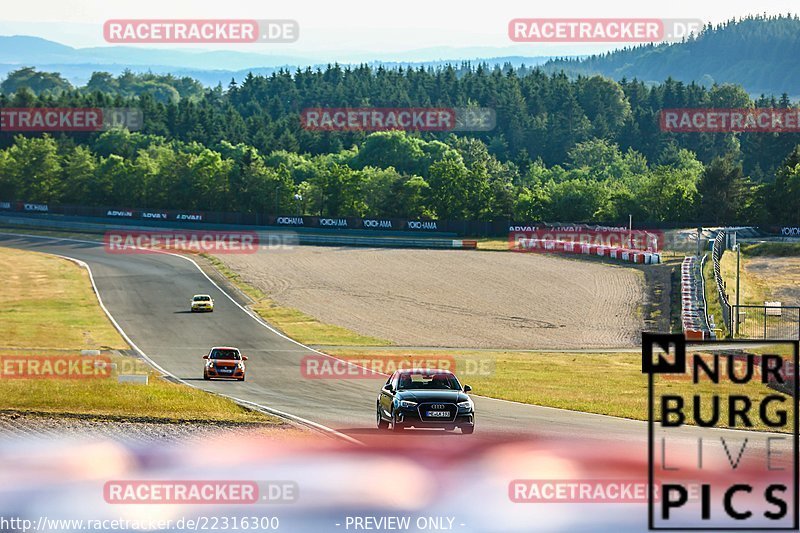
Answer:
[(148, 296)]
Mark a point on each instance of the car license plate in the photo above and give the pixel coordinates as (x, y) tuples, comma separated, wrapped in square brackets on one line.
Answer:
[(226, 370), (438, 414)]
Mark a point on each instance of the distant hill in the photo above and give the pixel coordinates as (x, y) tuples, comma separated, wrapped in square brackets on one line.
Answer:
[(758, 53), (208, 67), (34, 51)]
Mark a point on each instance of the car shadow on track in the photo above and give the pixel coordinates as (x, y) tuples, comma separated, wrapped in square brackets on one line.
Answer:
[(380, 432), (212, 380)]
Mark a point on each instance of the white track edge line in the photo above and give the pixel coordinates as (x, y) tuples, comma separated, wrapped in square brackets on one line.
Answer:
[(270, 410)]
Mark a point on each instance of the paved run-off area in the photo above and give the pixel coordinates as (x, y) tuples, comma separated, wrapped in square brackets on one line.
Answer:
[(454, 298)]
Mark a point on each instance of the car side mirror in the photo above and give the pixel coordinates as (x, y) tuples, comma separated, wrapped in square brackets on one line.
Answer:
[(205, 356), (467, 388), (388, 387), (244, 358)]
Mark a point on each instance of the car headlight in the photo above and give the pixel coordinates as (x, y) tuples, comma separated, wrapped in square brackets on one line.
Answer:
[(407, 404), (466, 405), (240, 365)]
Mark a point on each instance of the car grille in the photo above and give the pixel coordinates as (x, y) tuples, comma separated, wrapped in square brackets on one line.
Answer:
[(450, 408)]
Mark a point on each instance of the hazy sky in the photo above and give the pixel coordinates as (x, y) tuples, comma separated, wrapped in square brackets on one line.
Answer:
[(359, 27)]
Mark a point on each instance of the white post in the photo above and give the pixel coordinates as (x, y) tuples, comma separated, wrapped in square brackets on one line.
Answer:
[(630, 231)]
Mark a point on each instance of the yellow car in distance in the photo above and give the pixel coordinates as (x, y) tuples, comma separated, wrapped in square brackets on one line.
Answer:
[(202, 302)]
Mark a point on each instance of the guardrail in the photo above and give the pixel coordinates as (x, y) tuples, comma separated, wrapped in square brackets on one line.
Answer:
[(716, 255), (296, 237), (414, 228)]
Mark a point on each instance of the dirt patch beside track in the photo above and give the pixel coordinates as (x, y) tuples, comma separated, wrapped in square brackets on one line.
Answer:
[(781, 275), (46, 426), (454, 298)]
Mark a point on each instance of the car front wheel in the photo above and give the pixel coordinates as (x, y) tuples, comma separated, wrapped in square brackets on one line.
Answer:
[(382, 424), (467, 430), (397, 426)]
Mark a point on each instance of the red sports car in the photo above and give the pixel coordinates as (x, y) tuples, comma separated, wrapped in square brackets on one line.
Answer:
[(224, 362)]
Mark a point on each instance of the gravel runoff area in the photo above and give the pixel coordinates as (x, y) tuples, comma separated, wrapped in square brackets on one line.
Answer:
[(43, 426), (452, 298)]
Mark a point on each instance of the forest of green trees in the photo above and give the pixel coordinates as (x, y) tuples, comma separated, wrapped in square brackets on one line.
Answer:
[(584, 149)]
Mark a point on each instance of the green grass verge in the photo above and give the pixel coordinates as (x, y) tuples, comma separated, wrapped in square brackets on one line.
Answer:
[(754, 290), (602, 383), (676, 324), (294, 323), (50, 311), (48, 302), (104, 396)]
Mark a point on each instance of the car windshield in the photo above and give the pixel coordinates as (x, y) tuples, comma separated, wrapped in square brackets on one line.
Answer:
[(428, 381), (202, 298), (218, 353)]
